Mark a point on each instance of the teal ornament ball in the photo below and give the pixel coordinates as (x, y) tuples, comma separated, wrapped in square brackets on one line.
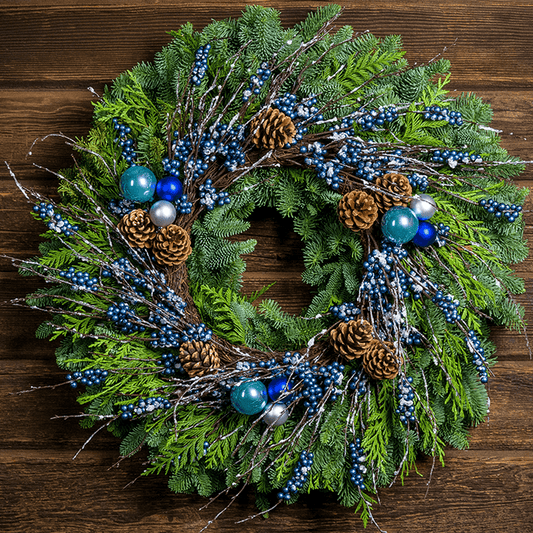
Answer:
[(399, 224), (138, 184), (249, 397)]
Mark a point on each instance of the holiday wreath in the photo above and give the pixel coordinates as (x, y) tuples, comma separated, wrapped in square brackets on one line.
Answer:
[(403, 201)]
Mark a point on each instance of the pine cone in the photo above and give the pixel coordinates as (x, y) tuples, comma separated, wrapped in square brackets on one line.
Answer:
[(351, 339), (198, 357), (357, 210), (138, 229), (399, 190), (380, 360), (172, 245), (272, 129)]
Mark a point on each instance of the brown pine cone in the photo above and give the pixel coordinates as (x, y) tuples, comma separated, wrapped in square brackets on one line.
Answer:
[(351, 339), (380, 360), (172, 245), (272, 129), (357, 210), (198, 358), (138, 229), (398, 191)]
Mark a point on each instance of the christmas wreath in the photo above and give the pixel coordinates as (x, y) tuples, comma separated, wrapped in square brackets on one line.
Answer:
[(408, 217)]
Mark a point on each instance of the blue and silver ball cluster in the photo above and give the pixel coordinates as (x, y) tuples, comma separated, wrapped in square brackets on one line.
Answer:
[(56, 223), (474, 347), (346, 311), (200, 64), (375, 118), (501, 210), (453, 157), (144, 407), (299, 477), (358, 470), (448, 305), (89, 378), (257, 81), (209, 196), (81, 281), (436, 113), (406, 400), (127, 145)]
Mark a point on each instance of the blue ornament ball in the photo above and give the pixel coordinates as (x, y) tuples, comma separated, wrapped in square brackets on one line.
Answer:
[(426, 234), (249, 397), (277, 386), (169, 188), (399, 224), (138, 184)]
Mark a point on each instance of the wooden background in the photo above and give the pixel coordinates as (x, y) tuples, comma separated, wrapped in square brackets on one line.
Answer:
[(50, 52)]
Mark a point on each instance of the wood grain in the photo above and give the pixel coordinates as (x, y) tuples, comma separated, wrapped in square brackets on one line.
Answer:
[(50, 52)]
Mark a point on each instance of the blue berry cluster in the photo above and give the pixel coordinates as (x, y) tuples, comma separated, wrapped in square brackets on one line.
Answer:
[(143, 407), (315, 381), (81, 281), (358, 382), (367, 161), (418, 180), (171, 166), (380, 272), (56, 223), (170, 337), (326, 170), (358, 470), (301, 113), (257, 81), (183, 205), (127, 145), (453, 157), (171, 364), (500, 209), (371, 120), (478, 353), (121, 207), (447, 305), (209, 196), (121, 315), (406, 403), (346, 311), (443, 232), (200, 64), (89, 378), (436, 112), (299, 476)]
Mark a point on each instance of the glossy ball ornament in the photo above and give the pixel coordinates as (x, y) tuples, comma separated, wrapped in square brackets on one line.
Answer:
[(249, 397), (162, 213), (424, 206), (276, 414), (426, 234), (399, 224), (277, 386), (138, 184), (169, 188)]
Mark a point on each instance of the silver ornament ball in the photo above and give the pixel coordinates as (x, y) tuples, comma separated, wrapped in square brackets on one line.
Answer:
[(162, 213), (424, 206), (276, 414)]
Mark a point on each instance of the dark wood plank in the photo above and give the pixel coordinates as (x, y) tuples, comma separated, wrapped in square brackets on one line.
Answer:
[(98, 42)]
